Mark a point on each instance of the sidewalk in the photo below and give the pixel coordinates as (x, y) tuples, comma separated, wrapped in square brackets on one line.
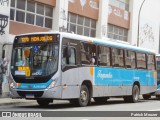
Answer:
[(10, 101)]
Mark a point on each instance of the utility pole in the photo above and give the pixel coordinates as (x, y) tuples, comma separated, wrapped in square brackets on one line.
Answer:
[(139, 22)]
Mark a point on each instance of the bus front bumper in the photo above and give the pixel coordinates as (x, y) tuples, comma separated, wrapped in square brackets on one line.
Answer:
[(157, 92), (36, 94)]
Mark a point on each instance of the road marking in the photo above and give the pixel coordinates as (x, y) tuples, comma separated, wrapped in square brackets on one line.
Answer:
[(154, 110)]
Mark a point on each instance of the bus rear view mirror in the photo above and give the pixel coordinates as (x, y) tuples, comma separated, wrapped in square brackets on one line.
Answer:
[(3, 54)]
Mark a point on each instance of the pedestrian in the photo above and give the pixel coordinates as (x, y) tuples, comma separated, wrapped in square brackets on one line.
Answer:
[(4, 64)]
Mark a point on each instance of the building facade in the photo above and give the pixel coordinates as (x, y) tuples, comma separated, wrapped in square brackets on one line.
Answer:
[(115, 19), (94, 18)]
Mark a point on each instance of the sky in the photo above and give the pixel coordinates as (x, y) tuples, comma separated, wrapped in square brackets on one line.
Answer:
[(151, 10), (149, 24)]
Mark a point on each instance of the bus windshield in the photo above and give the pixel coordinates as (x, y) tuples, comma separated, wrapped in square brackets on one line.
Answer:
[(35, 60)]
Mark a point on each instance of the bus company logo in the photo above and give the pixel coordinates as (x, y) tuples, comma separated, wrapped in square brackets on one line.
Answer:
[(6, 114), (103, 75)]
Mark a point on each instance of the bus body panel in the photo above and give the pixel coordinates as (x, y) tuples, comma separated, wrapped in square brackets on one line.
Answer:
[(107, 81)]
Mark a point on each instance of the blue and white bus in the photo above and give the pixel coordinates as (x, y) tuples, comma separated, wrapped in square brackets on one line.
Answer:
[(157, 93), (56, 65)]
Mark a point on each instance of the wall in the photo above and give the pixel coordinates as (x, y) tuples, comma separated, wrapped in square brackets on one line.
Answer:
[(148, 24), (102, 21), (21, 28), (87, 8), (118, 17), (48, 2), (4, 19)]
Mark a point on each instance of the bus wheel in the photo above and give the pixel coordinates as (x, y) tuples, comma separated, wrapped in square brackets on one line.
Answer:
[(84, 96), (146, 97), (43, 102), (73, 101), (135, 94), (126, 99), (101, 100), (158, 97)]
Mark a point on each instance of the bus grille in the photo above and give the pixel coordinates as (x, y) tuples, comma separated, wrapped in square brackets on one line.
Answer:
[(35, 93)]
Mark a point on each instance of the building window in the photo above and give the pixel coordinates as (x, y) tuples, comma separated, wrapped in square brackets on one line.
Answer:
[(81, 25), (118, 33), (122, 4), (31, 12)]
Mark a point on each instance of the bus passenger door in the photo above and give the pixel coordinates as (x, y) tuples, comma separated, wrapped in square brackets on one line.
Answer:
[(70, 70)]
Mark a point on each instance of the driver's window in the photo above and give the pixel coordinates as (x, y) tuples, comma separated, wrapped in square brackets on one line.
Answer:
[(64, 59), (71, 60)]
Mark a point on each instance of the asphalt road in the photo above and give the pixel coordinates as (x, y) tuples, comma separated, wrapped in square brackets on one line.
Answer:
[(113, 104)]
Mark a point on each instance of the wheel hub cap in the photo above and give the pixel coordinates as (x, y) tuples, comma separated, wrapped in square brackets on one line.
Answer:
[(83, 95)]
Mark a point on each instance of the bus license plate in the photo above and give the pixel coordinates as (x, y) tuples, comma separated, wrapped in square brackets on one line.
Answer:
[(29, 96)]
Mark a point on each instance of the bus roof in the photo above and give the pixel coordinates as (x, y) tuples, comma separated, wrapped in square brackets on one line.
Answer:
[(158, 55), (105, 41)]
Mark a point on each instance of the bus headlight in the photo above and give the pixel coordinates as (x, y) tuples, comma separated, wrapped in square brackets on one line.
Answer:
[(52, 84), (12, 85)]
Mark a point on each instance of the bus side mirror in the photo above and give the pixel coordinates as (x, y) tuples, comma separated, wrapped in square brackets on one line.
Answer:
[(67, 52), (3, 54)]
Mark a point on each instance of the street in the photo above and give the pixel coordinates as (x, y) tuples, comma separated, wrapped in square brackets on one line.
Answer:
[(113, 104), (63, 107)]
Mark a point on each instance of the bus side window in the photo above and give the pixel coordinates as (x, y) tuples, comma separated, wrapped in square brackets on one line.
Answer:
[(151, 62), (117, 57), (141, 61), (130, 59), (88, 54), (69, 60), (104, 56), (72, 58)]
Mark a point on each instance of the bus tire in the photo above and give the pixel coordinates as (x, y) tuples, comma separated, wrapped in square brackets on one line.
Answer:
[(158, 97), (135, 94), (146, 97), (84, 98), (126, 99), (43, 103), (100, 100), (73, 101)]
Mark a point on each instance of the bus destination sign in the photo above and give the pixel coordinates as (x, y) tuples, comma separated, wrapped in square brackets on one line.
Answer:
[(35, 39)]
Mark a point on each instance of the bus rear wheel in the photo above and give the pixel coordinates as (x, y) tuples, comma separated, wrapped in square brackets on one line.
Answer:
[(146, 97), (84, 98), (43, 103), (158, 97), (101, 100), (135, 95)]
